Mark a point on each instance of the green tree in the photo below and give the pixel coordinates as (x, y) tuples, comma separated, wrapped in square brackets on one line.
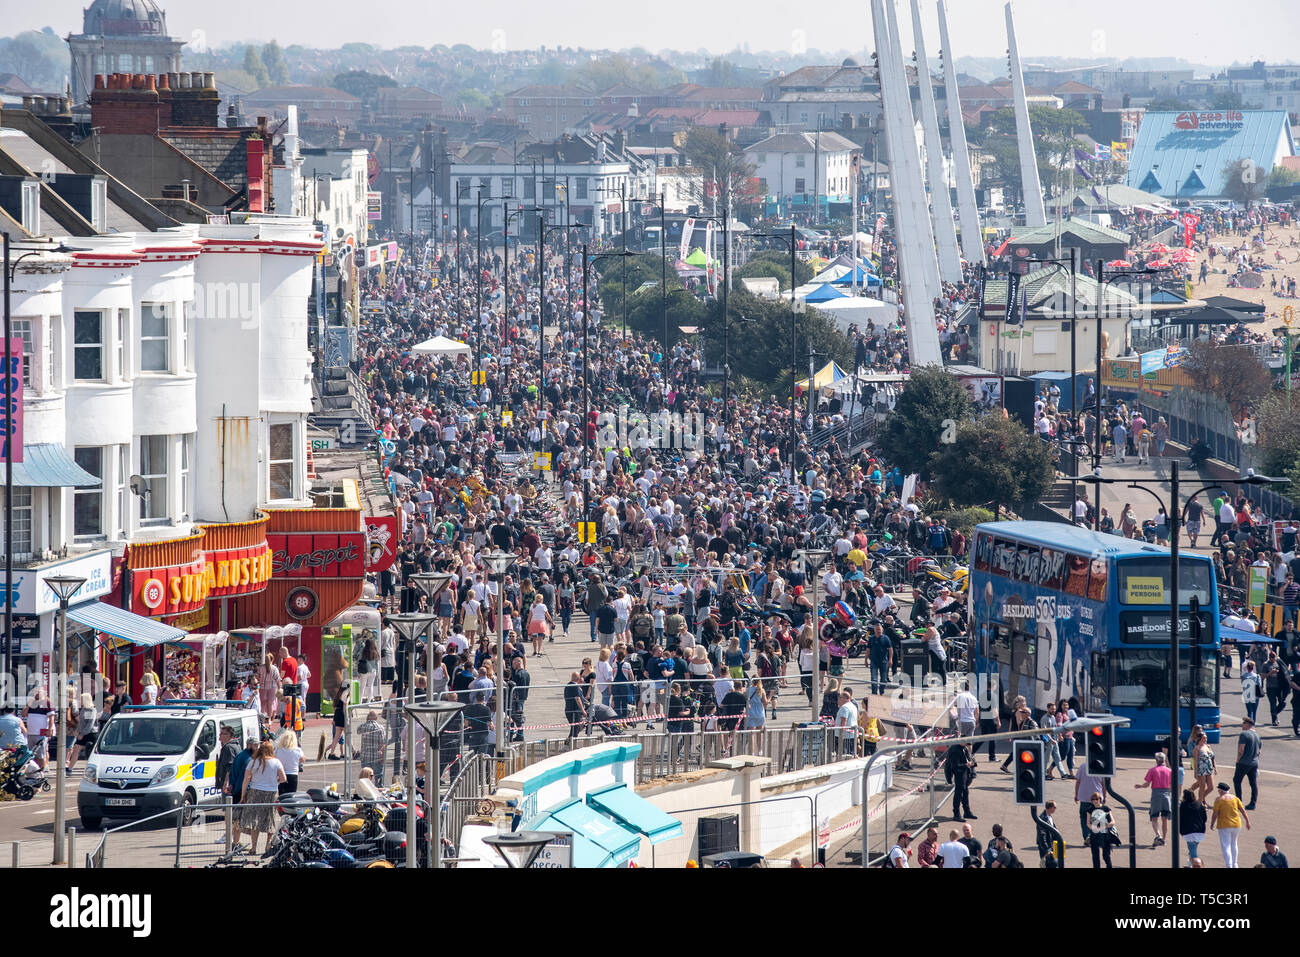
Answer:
[(1277, 432), (1168, 104), (1243, 181), (1226, 100), (1281, 177), (992, 459), (774, 264), (1054, 143), (363, 85), (273, 60), (255, 68), (718, 156), (927, 413)]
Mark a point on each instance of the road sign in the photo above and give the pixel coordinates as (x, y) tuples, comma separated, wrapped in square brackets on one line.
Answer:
[(542, 461), (586, 532)]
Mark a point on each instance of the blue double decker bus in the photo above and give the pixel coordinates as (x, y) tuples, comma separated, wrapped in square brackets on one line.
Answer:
[(1059, 611)]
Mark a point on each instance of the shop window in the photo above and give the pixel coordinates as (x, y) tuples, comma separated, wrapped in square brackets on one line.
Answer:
[(187, 491), (23, 328), (123, 490), (187, 337), (119, 343)]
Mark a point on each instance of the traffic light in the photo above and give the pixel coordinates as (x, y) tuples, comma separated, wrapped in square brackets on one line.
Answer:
[(1100, 754), (1031, 771)]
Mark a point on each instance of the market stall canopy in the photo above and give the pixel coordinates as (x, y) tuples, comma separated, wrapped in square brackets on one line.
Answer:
[(697, 258), (827, 375), (860, 276), (126, 627), (1207, 316), (824, 294), (441, 346)]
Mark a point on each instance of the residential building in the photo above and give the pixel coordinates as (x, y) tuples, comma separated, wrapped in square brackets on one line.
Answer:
[(804, 168), (407, 103), (316, 104), (547, 112)]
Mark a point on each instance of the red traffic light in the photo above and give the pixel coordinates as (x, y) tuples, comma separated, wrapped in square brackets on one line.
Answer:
[(1098, 730), (1028, 757)]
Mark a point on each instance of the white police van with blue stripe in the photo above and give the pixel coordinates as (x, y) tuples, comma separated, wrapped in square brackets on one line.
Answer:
[(152, 758)]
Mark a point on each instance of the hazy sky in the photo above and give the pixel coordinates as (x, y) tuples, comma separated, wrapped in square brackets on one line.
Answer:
[(1209, 31)]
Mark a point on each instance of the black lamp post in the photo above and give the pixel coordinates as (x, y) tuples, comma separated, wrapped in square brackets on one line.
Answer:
[(587, 258), (793, 241), (479, 200), (542, 231), (1174, 512)]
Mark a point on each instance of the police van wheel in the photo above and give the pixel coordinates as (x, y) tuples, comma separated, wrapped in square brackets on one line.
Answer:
[(91, 823), (187, 808)]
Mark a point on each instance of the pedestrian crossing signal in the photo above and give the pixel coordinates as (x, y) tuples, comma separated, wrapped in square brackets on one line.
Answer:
[(478, 377), (1030, 771), (587, 533)]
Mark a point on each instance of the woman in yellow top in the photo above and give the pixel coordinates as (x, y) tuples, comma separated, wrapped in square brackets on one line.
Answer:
[(1227, 816), (872, 729)]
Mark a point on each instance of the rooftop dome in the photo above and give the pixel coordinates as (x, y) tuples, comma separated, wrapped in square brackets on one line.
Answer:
[(849, 61), (124, 18)]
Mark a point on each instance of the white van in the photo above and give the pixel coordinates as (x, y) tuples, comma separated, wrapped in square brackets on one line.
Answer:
[(148, 760)]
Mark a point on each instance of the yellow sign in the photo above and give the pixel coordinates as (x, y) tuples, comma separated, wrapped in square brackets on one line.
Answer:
[(1117, 146), (192, 620), (1124, 374), (587, 533), (507, 417), (478, 377), (1144, 590), (542, 461)]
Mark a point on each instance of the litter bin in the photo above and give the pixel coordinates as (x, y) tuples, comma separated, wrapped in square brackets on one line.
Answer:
[(916, 660), (734, 859)]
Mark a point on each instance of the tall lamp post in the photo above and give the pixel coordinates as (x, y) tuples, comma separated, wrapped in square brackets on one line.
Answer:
[(1175, 512), (587, 258), (813, 559), (411, 627), (498, 562), (542, 232), (64, 587), (519, 848), (479, 200), (793, 241), (433, 717)]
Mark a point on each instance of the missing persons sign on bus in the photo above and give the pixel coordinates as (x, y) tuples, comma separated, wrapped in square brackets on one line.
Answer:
[(1144, 590)]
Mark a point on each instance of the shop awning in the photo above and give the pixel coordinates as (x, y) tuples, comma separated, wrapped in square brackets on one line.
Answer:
[(50, 465), (634, 811), (598, 841), (125, 626)]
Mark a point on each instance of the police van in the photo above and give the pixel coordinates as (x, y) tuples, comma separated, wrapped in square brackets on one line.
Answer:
[(149, 759)]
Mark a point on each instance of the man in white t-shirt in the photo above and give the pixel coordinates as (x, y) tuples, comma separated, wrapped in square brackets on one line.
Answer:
[(968, 707), (458, 641), (898, 854), (953, 853), (846, 720)]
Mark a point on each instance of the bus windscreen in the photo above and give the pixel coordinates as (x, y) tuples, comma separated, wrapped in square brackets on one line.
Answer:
[(1145, 581)]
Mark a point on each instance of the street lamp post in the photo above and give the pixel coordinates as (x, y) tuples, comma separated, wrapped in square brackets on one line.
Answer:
[(586, 389), (542, 232), (433, 717), (498, 562), (813, 559), (519, 848), (794, 338), (64, 587), (1174, 513), (411, 627)]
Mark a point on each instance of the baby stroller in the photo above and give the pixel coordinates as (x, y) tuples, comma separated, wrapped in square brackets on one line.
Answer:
[(19, 775), (606, 720)]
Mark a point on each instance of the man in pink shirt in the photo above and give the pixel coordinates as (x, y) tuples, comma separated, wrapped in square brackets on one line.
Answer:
[(1157, 779)]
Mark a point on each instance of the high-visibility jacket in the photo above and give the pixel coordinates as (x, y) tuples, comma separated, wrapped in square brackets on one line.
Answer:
[(292, 718)]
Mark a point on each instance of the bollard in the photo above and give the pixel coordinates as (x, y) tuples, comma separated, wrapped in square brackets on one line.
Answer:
[(72, 847), (17, 854)]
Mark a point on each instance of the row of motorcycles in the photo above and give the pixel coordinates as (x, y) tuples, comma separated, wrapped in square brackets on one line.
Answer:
[(319, 830)]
